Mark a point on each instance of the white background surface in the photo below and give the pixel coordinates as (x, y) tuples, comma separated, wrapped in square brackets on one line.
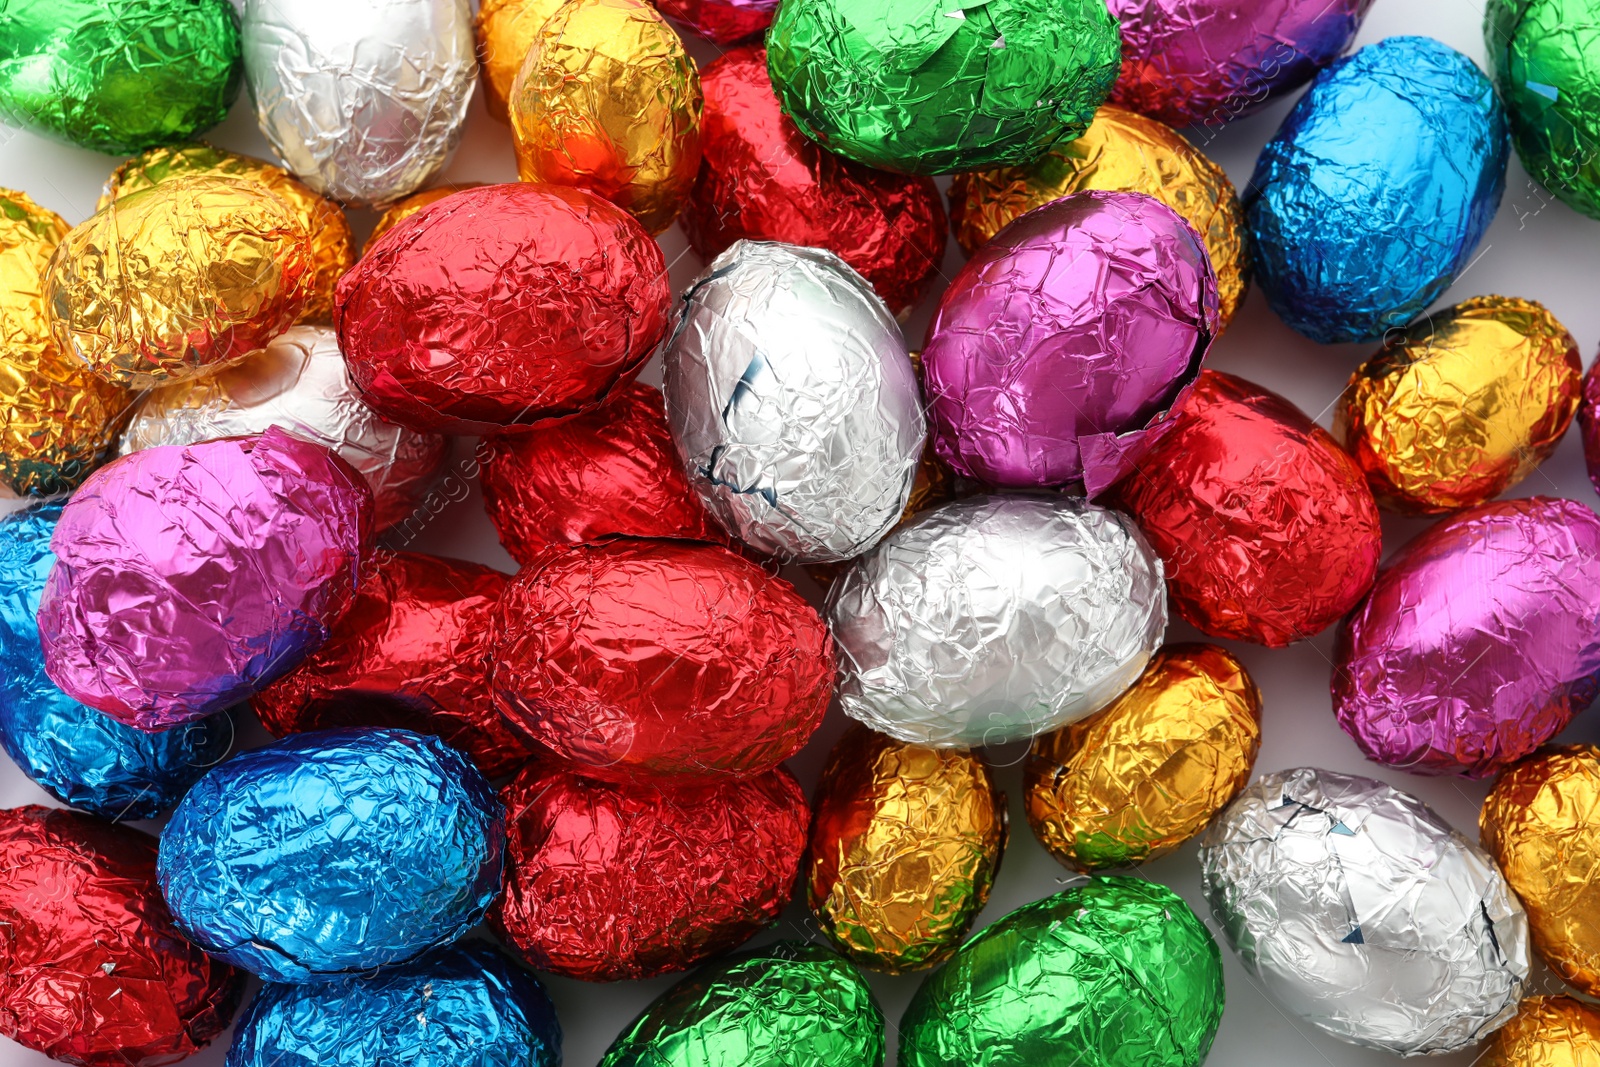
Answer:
[(1537, 248)]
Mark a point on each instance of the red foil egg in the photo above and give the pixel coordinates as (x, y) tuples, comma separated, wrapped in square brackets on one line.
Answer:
[(1266, 527), (92, 969), (722, 21), (761, 178), (501, 305), (670, 660), (609, 881)]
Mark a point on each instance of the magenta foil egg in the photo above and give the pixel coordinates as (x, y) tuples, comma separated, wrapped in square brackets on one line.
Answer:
[(1479, 641), (1065, 338)]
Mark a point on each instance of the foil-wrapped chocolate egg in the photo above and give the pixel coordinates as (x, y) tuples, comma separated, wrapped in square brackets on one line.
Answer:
[(793, 402), (401, 210), (1065, 338), (1541, 823), (702, 869), (905, 846), (668, 660), (1353, 236), (363, 100), (1146, 774), (1547, 1032), (721, 21), (995, 619), (506, 30), (1589, 423), (608, 100), (1362, 912), (1478, 642)]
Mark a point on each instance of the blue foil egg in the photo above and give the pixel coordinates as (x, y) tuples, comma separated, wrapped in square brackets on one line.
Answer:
[(78, 755), (461, 1006), (335, 852), (1376, 189)]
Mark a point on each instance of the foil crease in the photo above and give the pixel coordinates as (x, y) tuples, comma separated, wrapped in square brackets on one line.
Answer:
[(1589, 423), (401, 210), (721, 21), (506, 30), (1547, 1032)]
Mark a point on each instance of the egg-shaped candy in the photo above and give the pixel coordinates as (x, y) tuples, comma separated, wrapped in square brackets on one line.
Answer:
[(401, 210), (1547, 1032), (1478, 642), (506, 30), (1266, 527), (721, 21), (1354, 235), (1589, 423)]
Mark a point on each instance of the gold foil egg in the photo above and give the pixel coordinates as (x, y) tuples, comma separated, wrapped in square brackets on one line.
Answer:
[(905, 844), (1462, 405), (608, 100), (401, 210), (1125, 152), (1139, 778), (505, 31), (332, 247), (1541, 822), (178, 280), (1547, 1032)]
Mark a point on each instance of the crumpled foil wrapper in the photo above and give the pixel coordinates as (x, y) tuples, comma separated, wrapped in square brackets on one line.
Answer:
[(179, 280), (401, 210), (721, 21), (188, 578), (1120, 152), (299, 383), (1362, 912), (1067, 337), (665, 660), (1461, 406), (363, 100), (1541, 823), (1478, 642), (995, 619), (462, 1006), (905, 846), (1112, 971), (502, 305), (1150, 771), (118, 77), (333, 853), (608, 100), (699, 869), (92, 969), (506, 30), (923, 88), (1589, 423), (1356, 235), (793, 402), (1547, 1032), (1266, 528)]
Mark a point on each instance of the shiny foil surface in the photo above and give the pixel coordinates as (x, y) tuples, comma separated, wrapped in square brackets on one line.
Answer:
[(1477, 643), (363, 100), (698, 869), (118, 76), (188, 578), (333, 853), (1355, 235), (905, 86), (660, 660), (1589, 423), (1120, 152), (905, 845), (1541, 823), (1065, 337), (501, 305), (793, 402), (412, 652), (461, 1006), (401, 210), (762, 179), (789, 1004), (721, 21), (608, 100), (1547, 1032), (1362, 912), (1266, 528), (1140, 778), (1109, 972), (995, 619), (299, 383), (506, 30), (1462, 406), (179, 280), (92, 969)]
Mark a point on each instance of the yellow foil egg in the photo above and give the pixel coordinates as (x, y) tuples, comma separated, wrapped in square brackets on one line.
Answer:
[(608, 100), (904, 848), (399, 211), (1121, 151), (1547, 1032), (178, 280), (1139, 778), (505, 31), (1541, 822), (1462, 405), (57, 421)]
